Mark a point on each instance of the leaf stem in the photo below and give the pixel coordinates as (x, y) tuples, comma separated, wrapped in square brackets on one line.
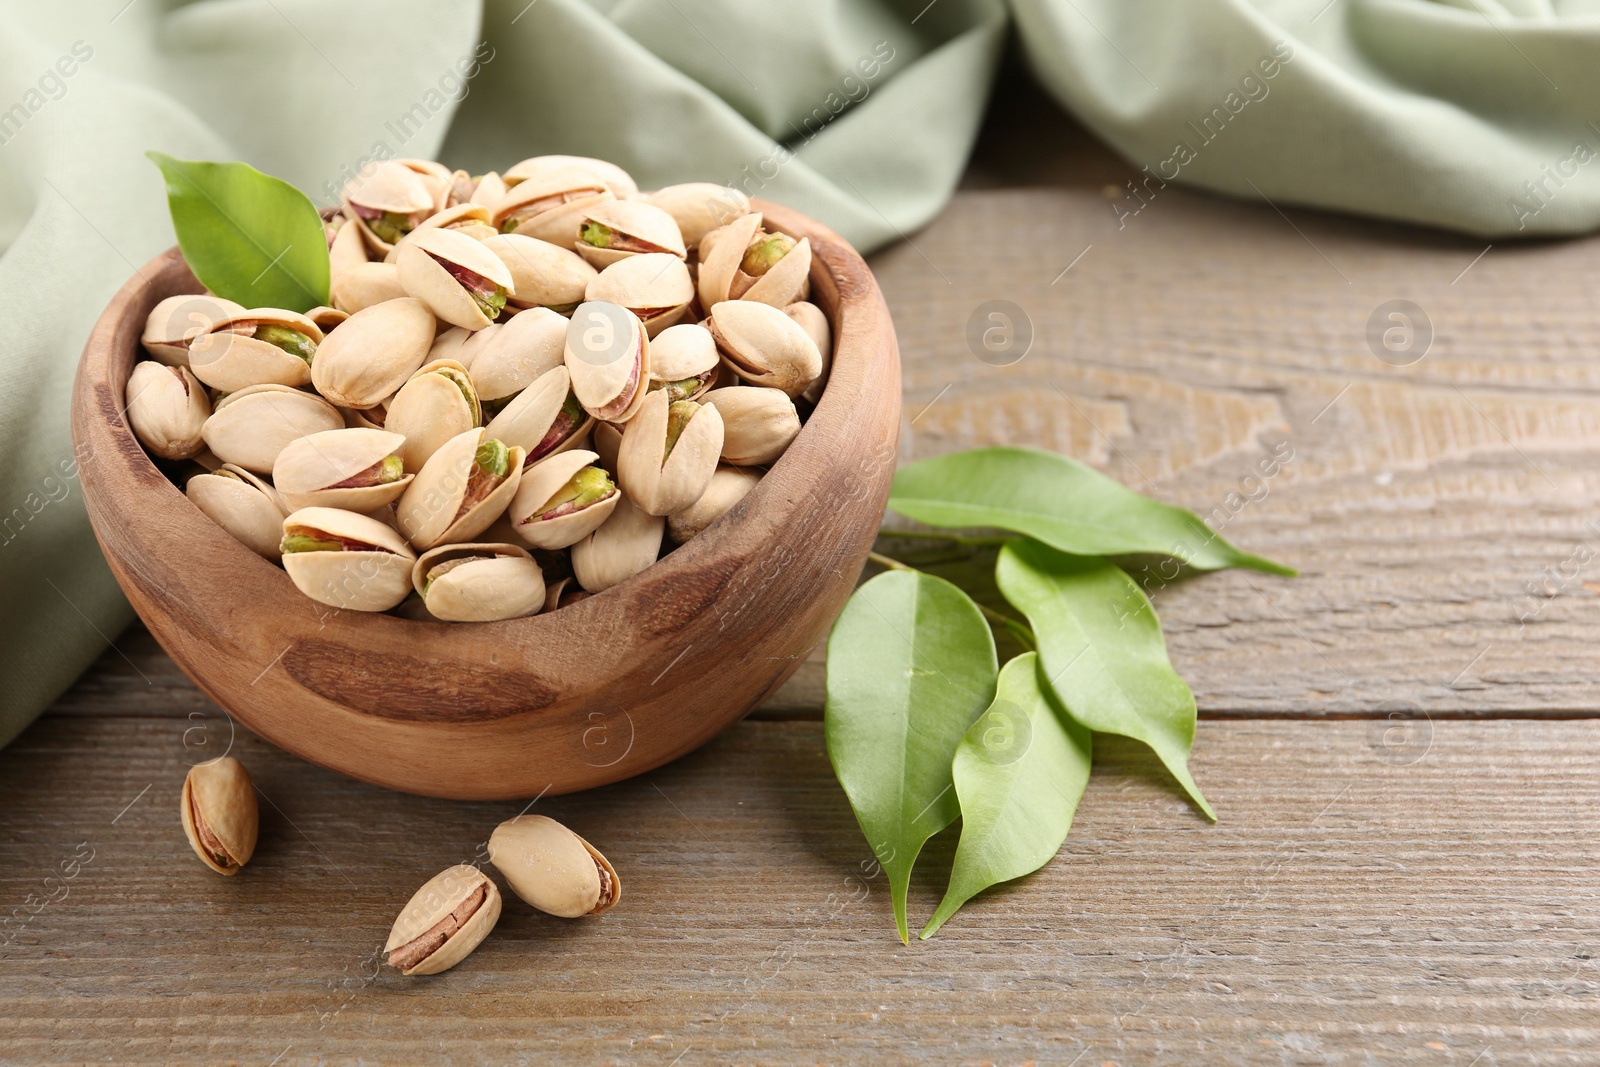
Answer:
[(996, 618)]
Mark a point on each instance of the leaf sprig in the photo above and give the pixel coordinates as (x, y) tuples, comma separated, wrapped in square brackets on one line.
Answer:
[(922, 728)]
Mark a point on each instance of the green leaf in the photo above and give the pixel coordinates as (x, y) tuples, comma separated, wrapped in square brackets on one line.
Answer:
[(1019, 773), (911, 664), (247, 236), (1102, 651), (1061, 502)]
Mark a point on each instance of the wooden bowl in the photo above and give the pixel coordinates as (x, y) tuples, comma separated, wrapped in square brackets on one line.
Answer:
[(610, 687)]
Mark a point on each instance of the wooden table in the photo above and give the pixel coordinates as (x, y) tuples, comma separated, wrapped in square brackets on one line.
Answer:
[(1400, 743)]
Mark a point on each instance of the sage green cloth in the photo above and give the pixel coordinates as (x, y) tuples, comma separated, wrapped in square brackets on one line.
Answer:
[(1471, 115)]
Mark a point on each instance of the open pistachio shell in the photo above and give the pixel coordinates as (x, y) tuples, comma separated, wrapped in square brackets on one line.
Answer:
[(607, 443), (654, 286), (326, 318), (480, 582), (509, 356), (452, 344), (470, 219), (552, 868), (783, 283), (347, 248), (683, 361), (764, 346), (346, 560), (608, 355), (464, 283), (242, 504), (617, 180), (436, 404), (728, 273), (669, 453), (368, 357), (543, 419), (176, 321), (258, 346), (219, 814), (758, 423), (700, 207), (249, 428), (548, 525), (387, 200), (815, 323), (444, 921), (454, 497), (625, 544), (616, 229), (352, 469), (484, 190), (544, 274), (436, 178), (364, 285), (490, 190), (167, 409), (728, 486), (549, 206), (721, 252)]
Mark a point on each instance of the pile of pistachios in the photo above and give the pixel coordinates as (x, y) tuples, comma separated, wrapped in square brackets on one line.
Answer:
[(528, 384)]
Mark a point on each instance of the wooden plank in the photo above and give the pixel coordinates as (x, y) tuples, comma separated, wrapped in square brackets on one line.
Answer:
[(1360, 902)]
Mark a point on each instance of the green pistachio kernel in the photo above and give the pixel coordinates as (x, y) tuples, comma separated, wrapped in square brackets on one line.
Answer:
[(678, 416), (564, 309), (392, 469), (596, 233), (491, 303), (589, 486), (493, 457), (682, 389), (304, 542), (390, 226), (291, 341), (764, 253)]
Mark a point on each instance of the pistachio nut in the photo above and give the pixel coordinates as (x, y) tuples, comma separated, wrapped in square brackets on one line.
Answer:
[(366, 284), (757, 423), (351, 469), (347, 248), (371, 418), (683, 361), (625, 544), (615, 179), (616, 229), (764, 346), (242, 504), (219, 814), (167, 409), (346, 560), (257, 347), (669, 452), (462, 488), (436, 404), (550, 204), (436, 178), (249, 428), (368, 357), (562, 500), (544, 274), (607, 353), (654, 286), (464, 283), (479, 582), (507, 357), (482, 189), (745, 262), (176, 321), (470, 219), (544, 419), (326, 318), (387, 201), (552, 868), (555, 591), (452, 344), (607, 443), (814, 321), (700, 207), (444, 921), (728, 486)]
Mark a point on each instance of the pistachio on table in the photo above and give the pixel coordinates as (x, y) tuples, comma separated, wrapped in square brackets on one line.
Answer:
[(219, 814), (552, 868), (443, 921)]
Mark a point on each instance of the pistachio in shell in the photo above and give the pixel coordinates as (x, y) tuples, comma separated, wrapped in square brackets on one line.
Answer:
[(219, 814), (436, 404), (743, 261), (728, 486), (544, 419), (607, 443), (463, 283), (464, 487), (700, 207), (364, 285), (764, 346), (368, 357), (814, 321), (683, 361), (553, 869), (607, 354), (243, 505), (616, 229), (549, 205), (346, 560), (758, 423), (176, 321), (562, 500), (669, 452), (387, 200), (259, 346), (507, 357), (625, 544), (655, 286), (352, 469), (480, 582), (249, 428), (443, 921), (452, 344), (544, 275), (470, 219), (616, 180), (167, 409), (347, 248)]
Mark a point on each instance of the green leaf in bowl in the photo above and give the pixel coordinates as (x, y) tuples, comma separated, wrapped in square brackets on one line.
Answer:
[(249, 237)]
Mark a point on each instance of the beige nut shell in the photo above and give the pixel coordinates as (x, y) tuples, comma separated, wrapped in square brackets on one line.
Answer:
[(498, 581), (249, 428), (662, 486), (542, 481), (226, 798), (369, 356), (552, 868), (354, 580), (307, 469), (428, 906), (242, 504), (427, 512)]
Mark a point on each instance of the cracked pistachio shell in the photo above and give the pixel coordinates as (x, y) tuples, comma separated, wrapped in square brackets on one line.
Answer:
[(509, 356), (549, 206), (435, 509), (368, 357), (365, 285), (371, 418), (243, 505), (680, 353), (661, 482), (625, 544), (530, 420), (610, 373), (722, 276), (764, 346), (436, 404), (167, 409), (249, 428), (615, 179), (370, 579), (654, 286), (552, 868), (634, 223), (452, 344), (607, 443), (470, 219), (307, 471), (326, 318), (814, 322), (484, 582), (388, 186), (228, 357), (484, 190), (758, 423), (700, 207), (721, 251), (433, 910), (545, 275), (176, 321), (542, 481), (219, 814), (728, 486), (426, 259), (436, 178)]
